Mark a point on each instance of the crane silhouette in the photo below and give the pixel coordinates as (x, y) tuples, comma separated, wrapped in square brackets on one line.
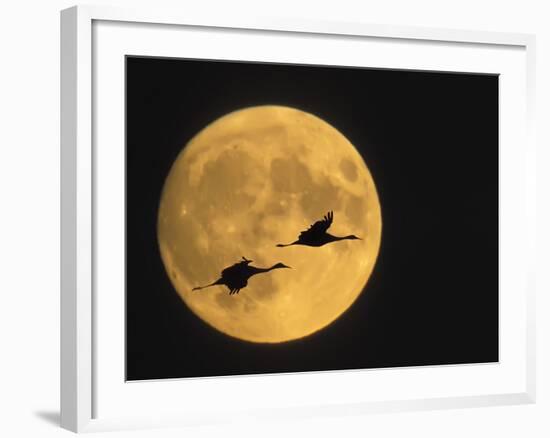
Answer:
[(316, 234), (236, 276)]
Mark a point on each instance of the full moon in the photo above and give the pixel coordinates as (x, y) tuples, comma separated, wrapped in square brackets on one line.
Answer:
[(248, 181)]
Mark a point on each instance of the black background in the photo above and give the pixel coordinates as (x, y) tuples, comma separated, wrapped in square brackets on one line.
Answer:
[(430, 141)]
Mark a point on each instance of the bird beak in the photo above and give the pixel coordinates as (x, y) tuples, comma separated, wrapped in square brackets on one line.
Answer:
[(289, 267)]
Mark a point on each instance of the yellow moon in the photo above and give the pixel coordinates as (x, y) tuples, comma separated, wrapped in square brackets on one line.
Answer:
[(249, 180)]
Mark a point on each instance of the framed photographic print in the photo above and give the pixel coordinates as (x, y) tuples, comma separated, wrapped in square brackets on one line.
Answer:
[(252, 209)]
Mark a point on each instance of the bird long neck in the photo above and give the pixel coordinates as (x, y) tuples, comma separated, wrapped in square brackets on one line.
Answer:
[(337, 238), (254, 270)]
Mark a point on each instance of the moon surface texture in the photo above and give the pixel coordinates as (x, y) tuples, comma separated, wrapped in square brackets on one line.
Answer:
[(249, 180)]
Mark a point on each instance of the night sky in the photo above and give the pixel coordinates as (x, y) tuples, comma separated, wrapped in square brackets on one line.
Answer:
[(430, 141)]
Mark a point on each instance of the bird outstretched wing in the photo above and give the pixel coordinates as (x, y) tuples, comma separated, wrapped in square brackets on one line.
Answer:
[(319, 227), (236, 268)]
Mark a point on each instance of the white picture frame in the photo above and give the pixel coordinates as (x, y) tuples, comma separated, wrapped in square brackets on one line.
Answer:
[(90, 34)]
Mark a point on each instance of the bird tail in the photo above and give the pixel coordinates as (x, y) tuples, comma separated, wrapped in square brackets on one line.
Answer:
[(208, 285)]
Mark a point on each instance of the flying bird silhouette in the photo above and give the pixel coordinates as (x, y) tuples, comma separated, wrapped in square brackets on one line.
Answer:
[(316, 234), (236, 276)]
